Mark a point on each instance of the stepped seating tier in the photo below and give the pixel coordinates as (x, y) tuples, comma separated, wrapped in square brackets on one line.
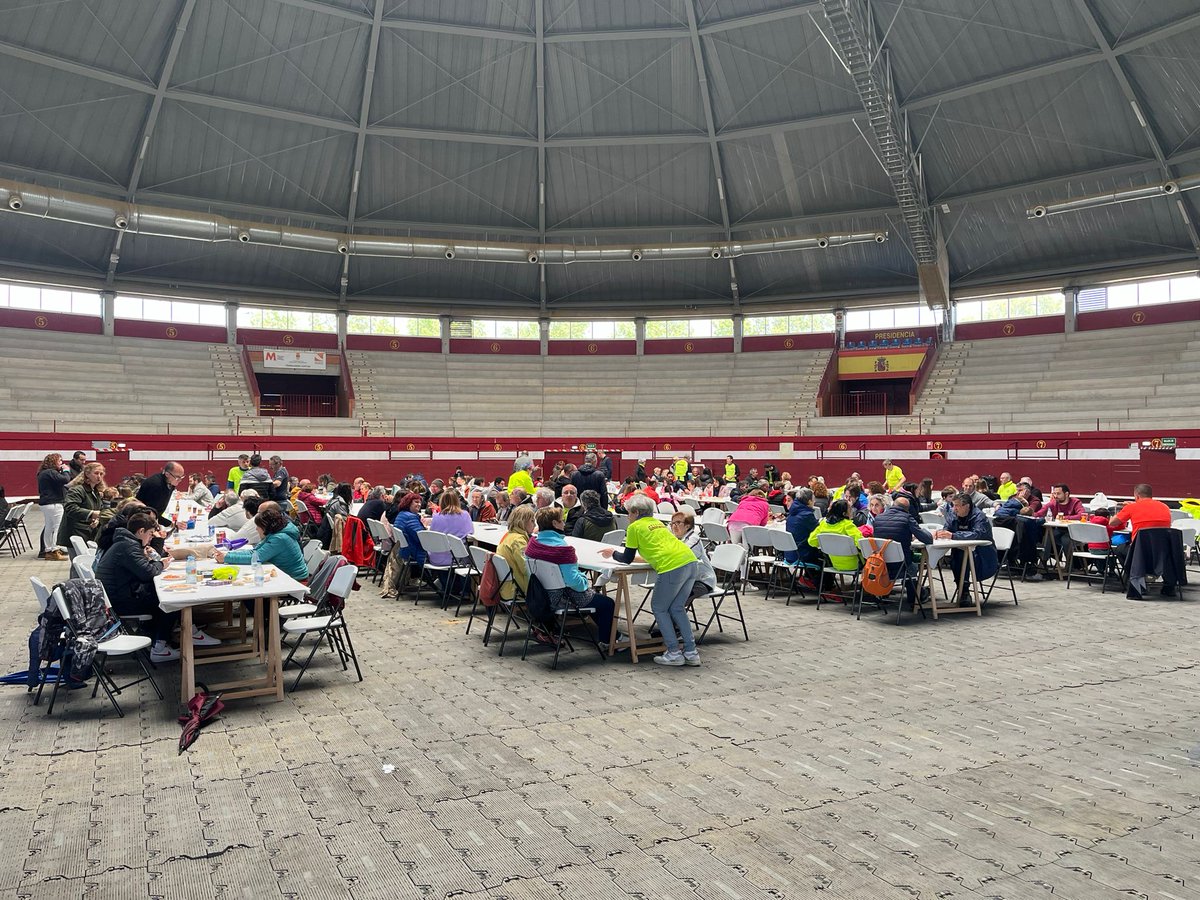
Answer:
[(1123, 378), (619, 395), (60, 381)]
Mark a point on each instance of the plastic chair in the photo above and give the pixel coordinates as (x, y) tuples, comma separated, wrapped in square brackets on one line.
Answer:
[(1004, 538), (757, 539), (893, 554), (329, 625), (728, 561), (837, 545), (784, 542), (712, 516), (1082, 534), (615, 537), (512, 607), (550, 578), (433, 542), (116, 645)]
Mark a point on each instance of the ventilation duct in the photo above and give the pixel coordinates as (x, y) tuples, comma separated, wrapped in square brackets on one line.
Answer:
[(98, 212)]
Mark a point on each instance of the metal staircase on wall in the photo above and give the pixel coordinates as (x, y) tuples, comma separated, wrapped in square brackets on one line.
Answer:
[(866, 59)]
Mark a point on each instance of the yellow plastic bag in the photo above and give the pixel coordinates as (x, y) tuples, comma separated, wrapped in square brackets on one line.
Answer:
[(1192, 506), (224, 573)]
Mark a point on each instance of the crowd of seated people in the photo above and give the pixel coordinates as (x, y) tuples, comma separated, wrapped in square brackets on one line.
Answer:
[(266, 506)]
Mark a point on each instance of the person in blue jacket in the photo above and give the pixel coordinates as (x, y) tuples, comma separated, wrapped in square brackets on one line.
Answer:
[(968, 523), (408, 521), (801, 520)]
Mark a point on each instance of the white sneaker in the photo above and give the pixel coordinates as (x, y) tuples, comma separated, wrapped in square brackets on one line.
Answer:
[(691, 659), (670, 659), (200, 639), (163, 653)]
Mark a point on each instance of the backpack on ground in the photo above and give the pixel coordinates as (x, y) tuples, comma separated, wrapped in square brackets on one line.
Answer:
[(875, 578)]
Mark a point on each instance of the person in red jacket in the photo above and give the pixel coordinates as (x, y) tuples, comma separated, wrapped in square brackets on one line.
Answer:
[(1143, 512)]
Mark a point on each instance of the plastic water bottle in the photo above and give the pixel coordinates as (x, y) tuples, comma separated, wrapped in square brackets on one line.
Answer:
[(190, 569), (256, 565)]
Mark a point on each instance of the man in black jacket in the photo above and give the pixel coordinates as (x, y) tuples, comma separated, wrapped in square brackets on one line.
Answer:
[(588, 478), (896, 523), (156, 490)]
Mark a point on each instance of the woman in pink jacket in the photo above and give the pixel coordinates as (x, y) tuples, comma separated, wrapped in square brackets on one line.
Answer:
[(751, 510)]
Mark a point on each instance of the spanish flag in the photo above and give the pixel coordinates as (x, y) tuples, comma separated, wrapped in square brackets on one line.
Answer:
[(879, 363)]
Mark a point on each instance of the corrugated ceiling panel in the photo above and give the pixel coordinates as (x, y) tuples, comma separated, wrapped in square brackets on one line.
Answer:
[(722, 10), (58, 122), (610, 87), (124, 36), (703, 280), (496, 282), (43, 243), (236, 265), (631, 185), (358, 6), (217, 154), (1067, 122), (975, 41), (1167, 75), (514, 15), (994, 238), (775, 72), (613, 15), (1123, 19), (442, 81), (275, 55), (798, 173), (439, 181)]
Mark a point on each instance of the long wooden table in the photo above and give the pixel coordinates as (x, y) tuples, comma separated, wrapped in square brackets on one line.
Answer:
[(264, 644)]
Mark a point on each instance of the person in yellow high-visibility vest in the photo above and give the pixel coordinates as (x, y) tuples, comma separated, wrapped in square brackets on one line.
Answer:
[(681, 468), (893, 475), (1006, 488), (731, 470)]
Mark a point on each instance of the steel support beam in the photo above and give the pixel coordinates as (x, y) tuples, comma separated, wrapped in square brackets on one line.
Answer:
[(1185, 208), (142, 147), (713, 147), (540, 74), (854, 34), (360, 141)]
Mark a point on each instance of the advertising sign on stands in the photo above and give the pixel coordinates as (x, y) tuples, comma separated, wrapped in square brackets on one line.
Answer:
[(294, 359)]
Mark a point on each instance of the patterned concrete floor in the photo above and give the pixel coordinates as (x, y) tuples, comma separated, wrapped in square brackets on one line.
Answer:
[(1045, 750)]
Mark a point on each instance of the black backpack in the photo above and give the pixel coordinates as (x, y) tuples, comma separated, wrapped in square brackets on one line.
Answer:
[(537, 603)]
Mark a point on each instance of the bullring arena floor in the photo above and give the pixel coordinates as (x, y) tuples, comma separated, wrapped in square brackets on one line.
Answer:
[(1046, 750)]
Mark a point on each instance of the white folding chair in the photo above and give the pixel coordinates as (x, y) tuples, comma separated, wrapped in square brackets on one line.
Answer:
[(1180, 514), (785, 543), (1082, 534), (761, 551), (776, 509), (932, 518), (728, 561), (713, 533), (1188, 528), (621, 520), (463, 568), (616, 537), (692, 502), (328, 625), (712, 516), (381, 537), (116, 645), (893, 554), (81, 566), (78, 544), (550, 578), (837, 545), (479, 558), (504, 574), (1003, 538), (314, 555), (666, 508), (433, 542)]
